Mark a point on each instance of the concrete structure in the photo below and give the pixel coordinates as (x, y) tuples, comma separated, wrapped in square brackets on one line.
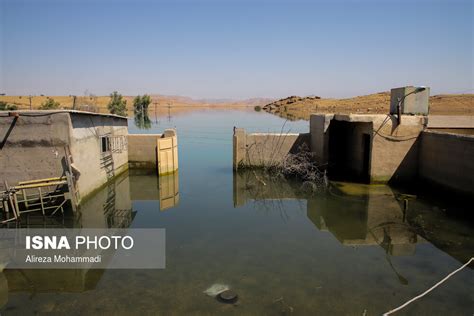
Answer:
[(44, 144), (142, 150), (368, 148), (152, 151), (377, 148), (459, 124), (259, 149), (447, 161), (411, 101), (374, 149)]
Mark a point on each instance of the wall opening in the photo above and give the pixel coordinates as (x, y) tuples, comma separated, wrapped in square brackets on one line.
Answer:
[(349, 151)]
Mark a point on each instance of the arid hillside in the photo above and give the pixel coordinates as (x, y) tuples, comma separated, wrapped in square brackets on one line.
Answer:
[(295, 107)]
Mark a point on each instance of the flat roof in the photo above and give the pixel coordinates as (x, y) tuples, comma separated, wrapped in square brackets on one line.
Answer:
[(47, 112)]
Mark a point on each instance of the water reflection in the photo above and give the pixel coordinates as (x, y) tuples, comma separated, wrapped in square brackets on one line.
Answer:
[(142, 120), (361, 215), (109, 207), (356, 215), (115, 205), (146, 186)]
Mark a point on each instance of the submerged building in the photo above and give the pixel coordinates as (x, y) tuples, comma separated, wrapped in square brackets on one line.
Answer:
[(90, 147), (52, 152)]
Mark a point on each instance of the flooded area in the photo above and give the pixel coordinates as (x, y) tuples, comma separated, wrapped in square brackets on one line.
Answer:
[(348, 250)]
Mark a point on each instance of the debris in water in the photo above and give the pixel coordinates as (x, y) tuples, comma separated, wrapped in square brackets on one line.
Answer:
[(228, 296), (216, 289), (284, 307)]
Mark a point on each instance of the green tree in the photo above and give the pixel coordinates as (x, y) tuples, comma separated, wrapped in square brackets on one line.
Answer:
[(141, 103), (140, 109), (117, 104), (142, 120), (49, 104)]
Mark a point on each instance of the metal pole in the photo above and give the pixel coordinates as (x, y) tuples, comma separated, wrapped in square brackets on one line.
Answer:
[(399, 111)]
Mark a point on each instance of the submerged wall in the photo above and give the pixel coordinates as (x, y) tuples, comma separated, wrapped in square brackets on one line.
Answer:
[(265, 149), (447, 160), (154, 151), (142, 150)]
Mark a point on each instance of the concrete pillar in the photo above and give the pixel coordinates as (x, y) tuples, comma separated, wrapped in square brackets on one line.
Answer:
[(319, 129), (239, 143)]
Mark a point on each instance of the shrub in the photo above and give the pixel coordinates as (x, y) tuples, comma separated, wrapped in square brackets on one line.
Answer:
[(4, 106), (117, 104), (49, 104)]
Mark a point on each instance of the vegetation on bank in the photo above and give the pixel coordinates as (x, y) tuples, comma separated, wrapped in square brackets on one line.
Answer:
[(4, 106), (117, 104), (50, 104)]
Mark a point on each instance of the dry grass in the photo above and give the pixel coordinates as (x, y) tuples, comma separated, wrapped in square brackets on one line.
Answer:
[(100, 102)]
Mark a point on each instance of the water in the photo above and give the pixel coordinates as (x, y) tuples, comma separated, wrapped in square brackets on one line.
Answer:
[(351, 250)]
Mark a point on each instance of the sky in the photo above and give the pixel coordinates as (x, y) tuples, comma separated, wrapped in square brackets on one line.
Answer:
[(235, 49)]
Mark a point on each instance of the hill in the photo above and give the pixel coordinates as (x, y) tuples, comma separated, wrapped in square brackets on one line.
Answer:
[(296, 107)]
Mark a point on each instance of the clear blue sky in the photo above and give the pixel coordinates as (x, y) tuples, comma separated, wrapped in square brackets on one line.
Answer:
[(235, 49)]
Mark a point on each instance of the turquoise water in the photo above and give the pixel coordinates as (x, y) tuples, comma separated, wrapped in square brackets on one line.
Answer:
[(350, 250)]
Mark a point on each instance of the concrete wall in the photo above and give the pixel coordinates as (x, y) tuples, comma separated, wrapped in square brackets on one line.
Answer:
[(318, 127), (394, 155), (96, 168), (33, 147), (447, 160), (451, 121), (260, 149), (142, 150)]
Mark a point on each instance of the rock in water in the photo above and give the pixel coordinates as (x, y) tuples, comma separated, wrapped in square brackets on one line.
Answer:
[(228, 296), (216, 289)]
